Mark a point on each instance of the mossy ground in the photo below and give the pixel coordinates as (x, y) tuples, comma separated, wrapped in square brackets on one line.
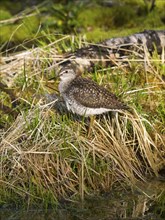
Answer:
[(125, 18), (47, 156)]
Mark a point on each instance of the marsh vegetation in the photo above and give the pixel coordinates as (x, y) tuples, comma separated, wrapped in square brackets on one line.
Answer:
[(46, 156)]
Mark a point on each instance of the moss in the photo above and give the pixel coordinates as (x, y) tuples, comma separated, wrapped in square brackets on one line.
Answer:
[(27, 29), (152, 20), (10, 6), (5, 34), (4, 14), (105, 22), (97, 22), (98, 34), (124, 16), (19, 32)]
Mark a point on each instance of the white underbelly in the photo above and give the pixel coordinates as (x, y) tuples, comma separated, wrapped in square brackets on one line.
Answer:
[(85, 111)]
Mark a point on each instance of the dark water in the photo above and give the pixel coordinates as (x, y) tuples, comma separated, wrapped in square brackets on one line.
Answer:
[(146, 203)]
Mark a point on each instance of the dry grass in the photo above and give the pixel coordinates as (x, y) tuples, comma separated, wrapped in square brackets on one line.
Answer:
[(46, 156)]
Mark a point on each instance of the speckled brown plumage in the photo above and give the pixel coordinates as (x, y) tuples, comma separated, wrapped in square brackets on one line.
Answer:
[(85, 97), (91, 95)]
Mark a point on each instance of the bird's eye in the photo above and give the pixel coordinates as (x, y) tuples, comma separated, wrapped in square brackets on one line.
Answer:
[(66, 71)]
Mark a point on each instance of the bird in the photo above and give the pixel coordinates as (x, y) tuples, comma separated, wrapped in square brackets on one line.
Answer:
[(84, 96)]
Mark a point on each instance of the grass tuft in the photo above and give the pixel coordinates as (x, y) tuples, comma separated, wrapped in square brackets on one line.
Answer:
[(47, 157)]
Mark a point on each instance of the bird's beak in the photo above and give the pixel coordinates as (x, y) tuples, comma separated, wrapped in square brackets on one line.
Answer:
[(56, 76)]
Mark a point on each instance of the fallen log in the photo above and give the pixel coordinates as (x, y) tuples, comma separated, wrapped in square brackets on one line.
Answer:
[(116, 50)]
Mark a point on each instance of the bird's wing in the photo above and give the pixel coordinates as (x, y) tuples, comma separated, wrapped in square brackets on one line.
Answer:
[(91, 95)]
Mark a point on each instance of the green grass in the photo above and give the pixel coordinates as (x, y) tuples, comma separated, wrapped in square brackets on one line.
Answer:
[(102, 23), (47, 156)]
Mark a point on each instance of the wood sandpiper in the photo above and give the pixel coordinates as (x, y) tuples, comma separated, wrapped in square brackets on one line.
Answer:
[(84, 96)]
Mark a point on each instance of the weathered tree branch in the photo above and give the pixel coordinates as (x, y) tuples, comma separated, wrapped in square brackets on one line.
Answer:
[(117, 49)]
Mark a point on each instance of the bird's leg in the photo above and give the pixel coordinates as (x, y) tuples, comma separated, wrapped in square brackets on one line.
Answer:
[(92, 118)]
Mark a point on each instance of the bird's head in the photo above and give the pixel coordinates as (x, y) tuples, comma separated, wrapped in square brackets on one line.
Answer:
[(67, 74)]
